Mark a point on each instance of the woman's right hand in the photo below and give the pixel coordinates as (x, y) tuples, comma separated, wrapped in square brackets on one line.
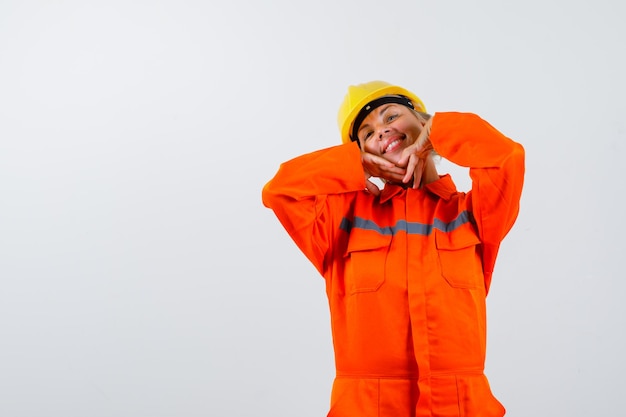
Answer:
[(376, 166)]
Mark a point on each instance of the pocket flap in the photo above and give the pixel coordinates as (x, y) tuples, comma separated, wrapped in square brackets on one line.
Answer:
[(457, 239), (365, 240)]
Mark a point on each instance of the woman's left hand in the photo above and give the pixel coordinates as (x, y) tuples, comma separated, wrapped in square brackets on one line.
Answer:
[(414, 156)]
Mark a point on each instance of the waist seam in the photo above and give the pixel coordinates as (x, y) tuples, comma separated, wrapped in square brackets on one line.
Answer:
[(431, 374)]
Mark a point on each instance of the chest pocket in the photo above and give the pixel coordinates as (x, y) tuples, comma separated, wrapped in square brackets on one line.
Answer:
[(460, 263), (366, 260)]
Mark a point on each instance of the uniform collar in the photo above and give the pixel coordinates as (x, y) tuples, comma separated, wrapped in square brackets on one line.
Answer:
[(390, 191), (444, 188)]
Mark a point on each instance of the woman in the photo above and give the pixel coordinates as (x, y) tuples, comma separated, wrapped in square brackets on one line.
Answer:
[(408, 267)]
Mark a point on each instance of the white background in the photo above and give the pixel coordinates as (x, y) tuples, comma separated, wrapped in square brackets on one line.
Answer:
[(141, 275)]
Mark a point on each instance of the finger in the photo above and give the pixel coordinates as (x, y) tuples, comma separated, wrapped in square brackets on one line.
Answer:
[(422, 145), (417, 178), (393, 174), (382, 162), (406, 155), (425, 133), (410, 168), (394, 170), (374, 159), (375, 165), (416, 150)]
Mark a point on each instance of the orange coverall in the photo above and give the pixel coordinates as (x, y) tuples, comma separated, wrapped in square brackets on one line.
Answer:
[(407, 273)]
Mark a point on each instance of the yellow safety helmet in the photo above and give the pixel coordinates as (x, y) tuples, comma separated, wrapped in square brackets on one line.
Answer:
[(360, 95)]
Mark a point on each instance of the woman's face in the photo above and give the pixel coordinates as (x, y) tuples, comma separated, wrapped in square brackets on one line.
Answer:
[(388, 129)]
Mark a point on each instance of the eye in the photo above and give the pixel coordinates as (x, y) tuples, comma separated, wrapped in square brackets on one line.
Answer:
[(367, 135), (392, 117)]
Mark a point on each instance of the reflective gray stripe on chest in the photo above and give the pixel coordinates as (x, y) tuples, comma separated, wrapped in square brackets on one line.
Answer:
[(411, 228)]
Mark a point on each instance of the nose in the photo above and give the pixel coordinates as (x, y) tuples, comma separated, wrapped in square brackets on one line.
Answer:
[(382, 132)]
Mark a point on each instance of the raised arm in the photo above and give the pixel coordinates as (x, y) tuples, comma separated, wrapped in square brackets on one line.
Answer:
[(308, 193), (497, 171)]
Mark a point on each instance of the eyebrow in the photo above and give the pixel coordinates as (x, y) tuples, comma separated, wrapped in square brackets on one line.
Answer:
[(384, 108)]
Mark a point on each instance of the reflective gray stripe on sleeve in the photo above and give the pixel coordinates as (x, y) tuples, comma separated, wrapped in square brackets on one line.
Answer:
[(411, 228)]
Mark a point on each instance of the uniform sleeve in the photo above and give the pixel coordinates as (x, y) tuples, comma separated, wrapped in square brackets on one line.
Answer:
[(497, 171), (300, 191)]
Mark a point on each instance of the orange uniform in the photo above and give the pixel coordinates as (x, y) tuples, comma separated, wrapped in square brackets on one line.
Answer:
[(406, 273)]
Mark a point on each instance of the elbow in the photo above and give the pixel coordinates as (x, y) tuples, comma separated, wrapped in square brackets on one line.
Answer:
[(268, 195)]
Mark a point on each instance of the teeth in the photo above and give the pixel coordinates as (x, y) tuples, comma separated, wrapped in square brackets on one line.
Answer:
[(393, 143)]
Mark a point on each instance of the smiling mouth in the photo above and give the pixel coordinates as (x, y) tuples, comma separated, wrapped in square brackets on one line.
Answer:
[(391, 146)]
